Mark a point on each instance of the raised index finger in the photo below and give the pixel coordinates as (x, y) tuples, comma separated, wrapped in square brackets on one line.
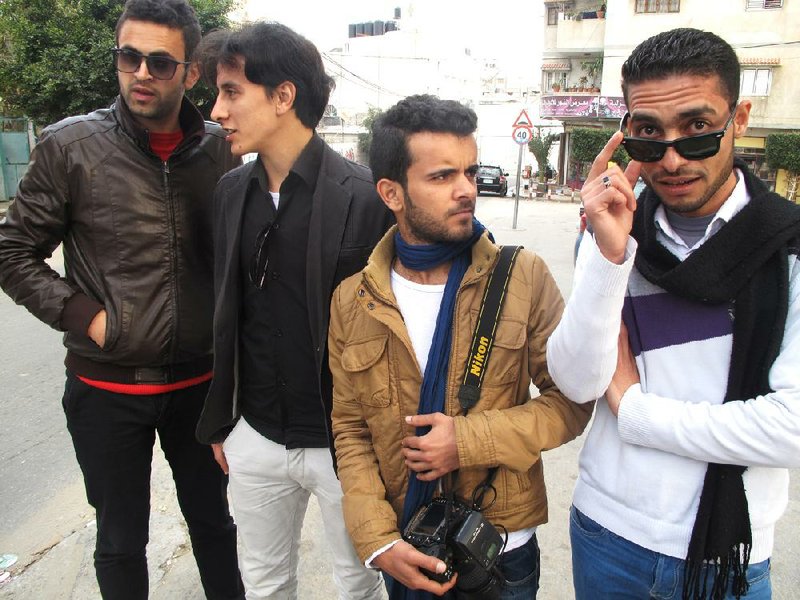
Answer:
[(600, 163)]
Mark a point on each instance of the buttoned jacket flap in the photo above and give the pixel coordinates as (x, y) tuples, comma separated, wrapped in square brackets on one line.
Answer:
[(360, 355), (510, 334)]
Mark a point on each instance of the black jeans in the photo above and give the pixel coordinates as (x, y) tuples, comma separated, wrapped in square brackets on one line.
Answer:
[(113, 435)]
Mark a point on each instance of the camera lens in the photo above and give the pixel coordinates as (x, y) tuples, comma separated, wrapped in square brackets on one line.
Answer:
[(476, 583)]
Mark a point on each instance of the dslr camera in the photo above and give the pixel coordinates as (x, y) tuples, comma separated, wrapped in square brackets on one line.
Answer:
[(464, 540)]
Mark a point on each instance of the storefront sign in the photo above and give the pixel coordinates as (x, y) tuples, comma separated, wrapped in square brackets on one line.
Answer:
[(583, 105)]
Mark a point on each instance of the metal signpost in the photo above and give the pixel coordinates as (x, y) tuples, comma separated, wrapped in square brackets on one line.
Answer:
[(522, 133)]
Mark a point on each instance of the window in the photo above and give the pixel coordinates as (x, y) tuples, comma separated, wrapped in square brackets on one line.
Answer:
[(765, 4), (658, 6), (755, 82), (552, 15), (489, 172), (555, 78)]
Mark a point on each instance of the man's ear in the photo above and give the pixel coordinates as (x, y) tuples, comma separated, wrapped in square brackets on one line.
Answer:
[(284, 96), (391, 192), (742, 118), (192, 76)]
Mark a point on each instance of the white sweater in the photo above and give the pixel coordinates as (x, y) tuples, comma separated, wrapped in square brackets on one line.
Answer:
[(641, 473)]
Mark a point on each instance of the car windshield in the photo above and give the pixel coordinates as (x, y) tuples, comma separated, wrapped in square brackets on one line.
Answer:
[(489, 172)]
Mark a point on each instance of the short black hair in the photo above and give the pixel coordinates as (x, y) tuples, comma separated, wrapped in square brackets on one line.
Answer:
[(272, 54), (684, 51), (389, 157), (177, 14)]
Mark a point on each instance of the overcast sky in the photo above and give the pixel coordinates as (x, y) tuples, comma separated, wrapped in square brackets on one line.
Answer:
[(509, 30)]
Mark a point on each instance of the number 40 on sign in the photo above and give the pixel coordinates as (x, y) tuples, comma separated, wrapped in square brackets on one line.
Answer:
[(522, 135)]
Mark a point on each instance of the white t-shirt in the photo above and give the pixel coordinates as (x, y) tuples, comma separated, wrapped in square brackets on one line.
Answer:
[(419, 304)]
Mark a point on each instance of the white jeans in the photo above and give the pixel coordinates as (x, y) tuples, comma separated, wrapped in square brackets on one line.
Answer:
[(270, 487)]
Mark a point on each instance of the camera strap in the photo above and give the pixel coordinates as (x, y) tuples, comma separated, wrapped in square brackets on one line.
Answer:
[(483, 339), (482, 343)]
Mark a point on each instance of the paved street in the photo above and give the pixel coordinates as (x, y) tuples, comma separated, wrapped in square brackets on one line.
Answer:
[(46, 521)]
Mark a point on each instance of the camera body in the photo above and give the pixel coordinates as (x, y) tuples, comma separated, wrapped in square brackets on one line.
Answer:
[(464, 540)]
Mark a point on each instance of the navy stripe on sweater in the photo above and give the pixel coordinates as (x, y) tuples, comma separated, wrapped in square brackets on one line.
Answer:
[(661, 320)]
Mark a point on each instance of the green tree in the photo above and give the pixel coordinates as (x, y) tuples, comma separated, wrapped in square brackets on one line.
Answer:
[(212, 14), (55, 57), (365, 139), (586, 144), (540, 145), (783, 152)]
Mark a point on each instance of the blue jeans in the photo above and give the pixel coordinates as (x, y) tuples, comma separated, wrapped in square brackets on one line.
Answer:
[(520, 569), (607, 566)]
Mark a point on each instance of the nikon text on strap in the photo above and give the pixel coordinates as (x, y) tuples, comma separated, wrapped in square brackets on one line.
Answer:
[(483, 340)]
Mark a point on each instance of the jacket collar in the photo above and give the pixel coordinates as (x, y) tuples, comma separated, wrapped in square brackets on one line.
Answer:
[(190, 119), (377, 274)]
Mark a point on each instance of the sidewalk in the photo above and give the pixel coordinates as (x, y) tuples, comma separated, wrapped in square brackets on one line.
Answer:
[(64, 569)]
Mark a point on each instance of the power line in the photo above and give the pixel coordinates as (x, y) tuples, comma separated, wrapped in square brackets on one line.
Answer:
[(371, 84)]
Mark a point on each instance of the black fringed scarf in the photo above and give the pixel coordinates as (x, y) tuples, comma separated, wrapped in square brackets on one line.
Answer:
[(745, 265)]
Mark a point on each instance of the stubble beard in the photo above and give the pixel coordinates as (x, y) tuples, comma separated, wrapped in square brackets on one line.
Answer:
[(691, 206), (160, 108), (428, 230)]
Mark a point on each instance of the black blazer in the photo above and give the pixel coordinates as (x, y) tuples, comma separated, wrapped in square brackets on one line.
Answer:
[(347, 219)]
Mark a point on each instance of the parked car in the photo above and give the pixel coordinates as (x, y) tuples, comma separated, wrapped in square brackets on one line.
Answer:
[(492, 179)]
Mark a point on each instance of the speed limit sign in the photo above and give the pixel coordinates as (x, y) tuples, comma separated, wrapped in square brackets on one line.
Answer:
[(522, 134)]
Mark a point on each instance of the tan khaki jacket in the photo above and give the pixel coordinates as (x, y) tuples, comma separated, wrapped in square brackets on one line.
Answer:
[(377, 381)]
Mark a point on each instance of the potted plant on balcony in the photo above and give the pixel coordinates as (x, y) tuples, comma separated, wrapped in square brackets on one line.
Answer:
[(601, 12), (582, 83), (556, 87), (593, 68)]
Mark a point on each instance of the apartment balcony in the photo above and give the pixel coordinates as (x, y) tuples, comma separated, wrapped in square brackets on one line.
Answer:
[(584, 35)]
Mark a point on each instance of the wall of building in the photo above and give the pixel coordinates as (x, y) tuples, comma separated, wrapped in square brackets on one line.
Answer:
[(378, 71)]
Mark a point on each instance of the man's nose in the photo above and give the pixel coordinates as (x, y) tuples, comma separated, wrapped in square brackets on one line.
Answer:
[(466, 185), (218, 112), (142, 72), (671, 160)]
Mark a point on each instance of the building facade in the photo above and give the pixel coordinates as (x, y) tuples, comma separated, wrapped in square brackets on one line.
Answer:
[(586, 42)]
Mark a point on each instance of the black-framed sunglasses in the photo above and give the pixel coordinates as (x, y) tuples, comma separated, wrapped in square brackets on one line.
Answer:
[(260, 261), (160, 67), (693, 147)]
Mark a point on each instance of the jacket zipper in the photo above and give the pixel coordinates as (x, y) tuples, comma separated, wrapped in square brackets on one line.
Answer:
[(172, 235)]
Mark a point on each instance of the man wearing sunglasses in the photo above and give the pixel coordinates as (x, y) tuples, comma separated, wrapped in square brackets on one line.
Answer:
[(289, 226), (686, 316), (127, 191)]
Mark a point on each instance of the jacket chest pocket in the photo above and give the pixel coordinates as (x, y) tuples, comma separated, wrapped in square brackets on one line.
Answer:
[(509, 358), (367, 363)]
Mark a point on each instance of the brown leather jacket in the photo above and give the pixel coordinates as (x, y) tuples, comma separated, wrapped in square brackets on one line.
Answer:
[(136, 233), (377, 381)]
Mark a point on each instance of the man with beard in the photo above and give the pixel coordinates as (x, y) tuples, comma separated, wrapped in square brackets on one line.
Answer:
[(400, 338), (685, 320), (127, 191)]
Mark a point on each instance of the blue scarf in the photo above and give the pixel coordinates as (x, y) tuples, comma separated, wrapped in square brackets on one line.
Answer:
[(434, 380)]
